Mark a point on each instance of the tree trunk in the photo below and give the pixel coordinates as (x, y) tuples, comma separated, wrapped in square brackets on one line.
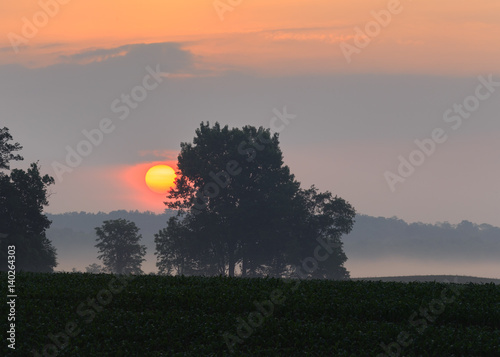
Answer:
[(231, 264), (231, 250), (244, 266)]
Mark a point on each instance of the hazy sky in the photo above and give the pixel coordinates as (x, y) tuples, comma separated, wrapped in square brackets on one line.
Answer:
[(363, 80)]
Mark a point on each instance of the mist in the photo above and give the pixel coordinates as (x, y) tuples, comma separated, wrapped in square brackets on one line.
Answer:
[(376, 247)]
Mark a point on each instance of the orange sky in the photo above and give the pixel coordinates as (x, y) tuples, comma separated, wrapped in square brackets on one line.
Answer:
[(264, 54), (282, 36), (115, 186), (262, 37), (131, 179)]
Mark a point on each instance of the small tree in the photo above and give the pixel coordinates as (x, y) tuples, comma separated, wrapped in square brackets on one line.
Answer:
[(118, 242), (94, 269)]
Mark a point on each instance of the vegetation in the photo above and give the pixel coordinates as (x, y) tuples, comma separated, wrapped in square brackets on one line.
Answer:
[(371, 238), (7, 149), (109, 315), (240, 209), (23, 195), (118, 243), (389, 237), (95, 269)]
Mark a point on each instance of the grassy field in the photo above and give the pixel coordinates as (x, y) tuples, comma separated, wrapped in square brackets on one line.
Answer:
[(74, 314)]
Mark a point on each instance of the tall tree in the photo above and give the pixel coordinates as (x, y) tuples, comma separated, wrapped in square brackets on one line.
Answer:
[(7, 149), (23, 195), (175, 253), (118, 243), (239, 206)]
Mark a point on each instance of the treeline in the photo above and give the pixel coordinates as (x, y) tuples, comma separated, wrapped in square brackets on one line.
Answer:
[(149, 222), (379, 237), (74, 236)]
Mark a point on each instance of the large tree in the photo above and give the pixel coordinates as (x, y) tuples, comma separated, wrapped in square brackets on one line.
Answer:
[(23, 195), (118, 243), (240, 208)]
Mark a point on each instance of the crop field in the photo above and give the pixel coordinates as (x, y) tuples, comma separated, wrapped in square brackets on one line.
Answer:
[(75, 314)]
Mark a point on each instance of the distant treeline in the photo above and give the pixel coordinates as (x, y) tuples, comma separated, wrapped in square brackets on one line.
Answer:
[(86, 222), (378, 237), (371, 237), (73, 233)]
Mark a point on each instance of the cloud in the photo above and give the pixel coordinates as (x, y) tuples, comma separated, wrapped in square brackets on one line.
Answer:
[(53, 45), (49, 107), (98, 54), (169, 55), (324, 35), (410, 42), (8, 49), (167, 154)]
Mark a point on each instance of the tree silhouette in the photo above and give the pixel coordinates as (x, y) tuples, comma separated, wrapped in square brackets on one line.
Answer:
[(118, 242), (175, 249), (322, 221), (240, 208), (7, 149), (94, 269), (23, 195)]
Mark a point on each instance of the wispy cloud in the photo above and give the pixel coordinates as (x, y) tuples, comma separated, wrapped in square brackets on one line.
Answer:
[(98, 54), (325, 35), (8, 49), (130, 53), (167, 154)]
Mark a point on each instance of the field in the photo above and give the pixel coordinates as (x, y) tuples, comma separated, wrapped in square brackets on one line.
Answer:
[(74, 314), (437, 278)]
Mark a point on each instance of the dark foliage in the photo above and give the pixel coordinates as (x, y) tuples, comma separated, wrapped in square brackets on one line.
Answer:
[(118, 243), (23, 195), (242, 211)]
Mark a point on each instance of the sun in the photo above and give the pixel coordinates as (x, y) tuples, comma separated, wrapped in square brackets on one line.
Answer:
[(160, 178)]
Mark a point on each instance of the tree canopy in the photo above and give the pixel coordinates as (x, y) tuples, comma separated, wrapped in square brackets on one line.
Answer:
[(23, 195), (118, 243), (94, 269), (7, 149), (241, 211)]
